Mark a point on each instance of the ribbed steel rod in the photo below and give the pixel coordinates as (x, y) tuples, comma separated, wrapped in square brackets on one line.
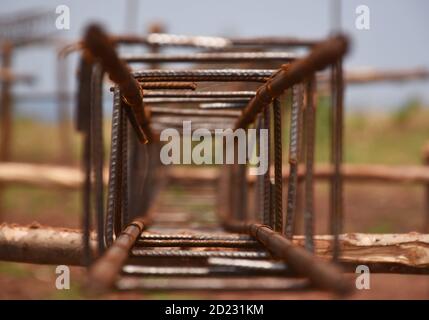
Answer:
[(194, 112), (198, 94), (214, 270), (104, 271), (100, 47), (223, 105), (168, 85), (310, 133), (198, 254), (197, 243), (189, 100), (278, 165), (210, 75), (205, 236), (212, 57), (324, 54), (294, 150), (322, 274)]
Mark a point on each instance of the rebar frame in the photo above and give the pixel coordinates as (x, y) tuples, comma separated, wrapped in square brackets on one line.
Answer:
[(131, 98)]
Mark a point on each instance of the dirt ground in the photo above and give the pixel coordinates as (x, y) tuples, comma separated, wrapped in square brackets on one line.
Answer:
[(369, 208)]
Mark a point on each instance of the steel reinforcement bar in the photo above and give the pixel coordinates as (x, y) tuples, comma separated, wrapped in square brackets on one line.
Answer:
[(100, 47), (322, 274), (103, 273), (322, 55)]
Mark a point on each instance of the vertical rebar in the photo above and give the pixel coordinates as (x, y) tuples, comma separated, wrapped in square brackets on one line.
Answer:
[(97, 151), (86, 218), (5, 112), (84, 126), (278, 178), (114, 168), (241, 176), (294, 144), (336, 155), (267, 181), (64, 133), (124, 170), (259, 188), (310, 119), (426, 163)]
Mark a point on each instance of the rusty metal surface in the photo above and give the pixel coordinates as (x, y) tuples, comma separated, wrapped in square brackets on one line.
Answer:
[(321, 56), (294, 152), (101, 48), (236, 104), (210, 75), (213, 57), (105, 270)]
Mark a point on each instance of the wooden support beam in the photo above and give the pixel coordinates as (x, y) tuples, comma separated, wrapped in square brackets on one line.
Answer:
[(38, 175), (50, 176), (41, 245), (397, 253), (351, 172)]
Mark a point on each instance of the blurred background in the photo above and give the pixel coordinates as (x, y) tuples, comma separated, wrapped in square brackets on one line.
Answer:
[(386, 123)]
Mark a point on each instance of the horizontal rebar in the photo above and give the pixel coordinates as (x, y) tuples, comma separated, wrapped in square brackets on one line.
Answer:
[(189, 100), (197, 243), (246, 263), (212, 57), (199, 254), (223, 105), (207, 236), (198, 94), (165, 39), (196, 112), (170, 284), (215, 270), (168, 85), (210, 75)]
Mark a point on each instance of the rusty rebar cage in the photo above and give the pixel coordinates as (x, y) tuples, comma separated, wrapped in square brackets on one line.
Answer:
[(252, 244)]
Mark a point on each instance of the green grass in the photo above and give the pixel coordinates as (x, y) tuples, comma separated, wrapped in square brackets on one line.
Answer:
[(385, 138), (14, 270), (35, 202)]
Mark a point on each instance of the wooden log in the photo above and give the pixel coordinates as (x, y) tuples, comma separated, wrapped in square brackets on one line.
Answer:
[(71, 178), (48, 176), (351, 172), (368, 76), (41, 245), (397, 253), (41, 175)]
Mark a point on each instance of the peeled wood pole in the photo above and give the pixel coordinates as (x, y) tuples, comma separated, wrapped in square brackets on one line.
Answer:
[(102, 48), (386, 253)]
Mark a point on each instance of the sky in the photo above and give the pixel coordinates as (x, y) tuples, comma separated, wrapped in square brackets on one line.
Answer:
[(397, 38)]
